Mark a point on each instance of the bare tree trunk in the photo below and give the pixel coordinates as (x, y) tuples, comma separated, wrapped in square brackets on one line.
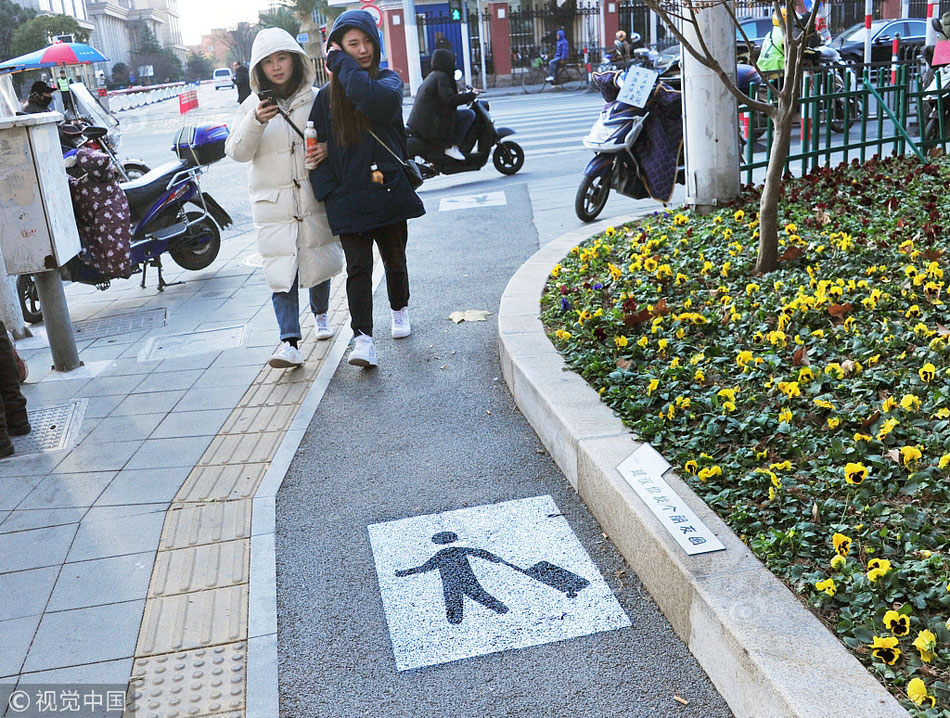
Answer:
[(772, 190)]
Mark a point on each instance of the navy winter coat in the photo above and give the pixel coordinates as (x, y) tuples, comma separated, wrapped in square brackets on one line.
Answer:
[(354, 202)]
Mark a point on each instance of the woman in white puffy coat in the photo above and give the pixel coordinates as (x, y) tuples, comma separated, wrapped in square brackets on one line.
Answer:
[(293, 236)]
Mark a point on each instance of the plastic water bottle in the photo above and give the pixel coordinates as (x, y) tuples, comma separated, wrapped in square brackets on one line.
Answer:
[(310, 138)]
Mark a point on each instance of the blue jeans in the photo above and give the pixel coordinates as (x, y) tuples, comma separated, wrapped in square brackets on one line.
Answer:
[(464, 119), (552, 67), (287, 308)]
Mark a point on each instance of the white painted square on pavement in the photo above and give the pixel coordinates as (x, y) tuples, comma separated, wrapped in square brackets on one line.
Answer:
[(486, 579), (473, 201)]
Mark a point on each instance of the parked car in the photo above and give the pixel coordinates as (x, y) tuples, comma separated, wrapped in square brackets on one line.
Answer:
[(850, 43), (222, 78)]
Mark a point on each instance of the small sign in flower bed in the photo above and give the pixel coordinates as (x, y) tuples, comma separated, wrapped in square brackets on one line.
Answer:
[(810, 407)]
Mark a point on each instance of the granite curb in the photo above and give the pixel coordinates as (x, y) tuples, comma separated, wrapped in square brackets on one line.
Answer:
[(765, 652)]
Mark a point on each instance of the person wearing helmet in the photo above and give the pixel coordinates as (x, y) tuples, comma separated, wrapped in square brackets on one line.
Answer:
[(772, 56), (622, 49), (436, 114), (367, 193)]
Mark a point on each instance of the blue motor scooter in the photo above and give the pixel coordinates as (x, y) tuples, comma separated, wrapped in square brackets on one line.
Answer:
[(169, 213)]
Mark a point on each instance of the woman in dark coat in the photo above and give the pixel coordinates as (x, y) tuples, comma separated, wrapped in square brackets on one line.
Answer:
[(434, 116), (365, 205)]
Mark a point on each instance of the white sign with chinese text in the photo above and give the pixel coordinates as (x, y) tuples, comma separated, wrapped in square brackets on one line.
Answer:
[(637, 85), (644, 470)]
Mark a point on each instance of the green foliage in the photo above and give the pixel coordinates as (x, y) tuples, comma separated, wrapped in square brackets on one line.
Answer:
[(284, 18), (810, 407), (198, 67), (120, 74), (35, 34), (11, 17), (145, 41)]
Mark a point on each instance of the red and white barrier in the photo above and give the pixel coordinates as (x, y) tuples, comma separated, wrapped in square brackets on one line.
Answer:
[(868, 14), (895, 49), (931, 36), (188, 101)]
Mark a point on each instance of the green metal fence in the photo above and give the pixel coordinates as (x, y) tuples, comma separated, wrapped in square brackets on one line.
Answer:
[(845, 116)]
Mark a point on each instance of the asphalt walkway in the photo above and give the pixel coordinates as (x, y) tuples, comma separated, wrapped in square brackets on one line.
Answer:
[(431, 444)]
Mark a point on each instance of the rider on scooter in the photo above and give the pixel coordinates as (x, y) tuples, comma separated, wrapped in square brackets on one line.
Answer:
[(436, 116)]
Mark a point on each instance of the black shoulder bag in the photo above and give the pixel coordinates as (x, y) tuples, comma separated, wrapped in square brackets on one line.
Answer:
[(409, 167)]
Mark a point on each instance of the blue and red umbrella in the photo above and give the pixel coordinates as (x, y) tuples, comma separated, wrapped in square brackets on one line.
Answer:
[(60, 53)]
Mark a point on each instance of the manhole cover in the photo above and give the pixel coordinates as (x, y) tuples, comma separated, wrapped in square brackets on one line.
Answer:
[(99, 327), (54, 428), (173, 346)]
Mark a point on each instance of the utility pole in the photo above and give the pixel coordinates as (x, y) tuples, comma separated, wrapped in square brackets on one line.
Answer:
[(412, 46), (481, 41), (466, 46), (709, 112)]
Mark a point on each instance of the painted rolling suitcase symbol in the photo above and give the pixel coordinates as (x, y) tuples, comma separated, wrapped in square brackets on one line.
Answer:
[(557, 578)]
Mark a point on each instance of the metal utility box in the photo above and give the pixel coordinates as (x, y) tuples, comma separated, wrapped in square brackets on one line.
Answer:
[(37, 226)]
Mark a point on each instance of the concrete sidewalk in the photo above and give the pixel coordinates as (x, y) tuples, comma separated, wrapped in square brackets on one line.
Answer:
[(125, 517)]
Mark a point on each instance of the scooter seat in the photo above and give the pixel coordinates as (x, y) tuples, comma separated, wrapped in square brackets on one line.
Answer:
[(149, 187)]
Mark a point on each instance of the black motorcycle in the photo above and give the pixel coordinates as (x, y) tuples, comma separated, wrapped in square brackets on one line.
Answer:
[(507, 156)]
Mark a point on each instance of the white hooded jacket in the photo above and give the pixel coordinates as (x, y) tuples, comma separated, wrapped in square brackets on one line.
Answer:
[(291, 225)]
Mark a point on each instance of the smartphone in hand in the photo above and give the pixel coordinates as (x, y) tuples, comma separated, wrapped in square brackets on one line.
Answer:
[(267, 97)]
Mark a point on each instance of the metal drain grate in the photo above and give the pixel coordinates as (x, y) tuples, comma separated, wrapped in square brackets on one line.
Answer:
[(54, 428), (173, 346), (99, 327)]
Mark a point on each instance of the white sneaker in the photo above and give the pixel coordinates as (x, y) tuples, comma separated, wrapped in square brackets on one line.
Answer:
[(454, 152), (324, 330), (364, 352), (287, 356), (401, 326), (549, 78)]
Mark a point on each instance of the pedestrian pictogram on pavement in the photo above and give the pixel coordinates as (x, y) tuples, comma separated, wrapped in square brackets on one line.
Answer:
[(474, 201), (486, 579)]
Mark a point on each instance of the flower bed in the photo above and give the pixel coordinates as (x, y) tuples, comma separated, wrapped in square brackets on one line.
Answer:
[(810, 407)]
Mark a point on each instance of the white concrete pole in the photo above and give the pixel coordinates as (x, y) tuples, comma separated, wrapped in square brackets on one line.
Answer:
[(466, 47), (905, 8), (709, 114), (868, 14), (412, 46)]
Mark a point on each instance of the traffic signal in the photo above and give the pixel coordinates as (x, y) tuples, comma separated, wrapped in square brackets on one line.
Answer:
[(455, 9)]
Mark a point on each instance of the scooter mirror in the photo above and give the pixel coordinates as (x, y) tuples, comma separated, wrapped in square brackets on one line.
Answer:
[(935, 23), (458, 75)]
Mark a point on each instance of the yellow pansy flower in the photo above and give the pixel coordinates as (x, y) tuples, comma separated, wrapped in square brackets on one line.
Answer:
[(877, 568), (909, 454), (885, 649), (855, 473), (927, 372), (691, 467), (654, 383), (709, 472), (909, 402), (917, 692), (842, 544), (926, 643), (620, 340), (562, 335), (785, 415), (828, 586), (896, 623), (833, 422)]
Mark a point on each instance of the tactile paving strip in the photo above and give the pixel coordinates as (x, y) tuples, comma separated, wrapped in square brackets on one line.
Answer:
[(110, 326), (200, 682), (54, 428)]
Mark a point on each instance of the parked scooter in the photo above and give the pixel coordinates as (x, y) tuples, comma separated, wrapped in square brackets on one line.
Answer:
[(508, 156), (78, 134), (160, 220), (613, 138)]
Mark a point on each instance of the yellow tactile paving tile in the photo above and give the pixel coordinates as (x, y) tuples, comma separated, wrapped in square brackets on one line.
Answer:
[(200, 682), (194, 525), (196, 613), (193, 620), (242, 449), (200, 568), (221, 482)]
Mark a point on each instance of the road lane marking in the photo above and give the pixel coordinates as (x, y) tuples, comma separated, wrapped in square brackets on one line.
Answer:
[(475, 201)]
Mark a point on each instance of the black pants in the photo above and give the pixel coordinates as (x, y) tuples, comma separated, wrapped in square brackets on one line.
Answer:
[(358, 249), (12, 401)]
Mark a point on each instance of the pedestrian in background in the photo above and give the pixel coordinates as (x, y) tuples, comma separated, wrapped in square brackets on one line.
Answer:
[(293, 236), (242, 80), (437, 115), (367, 195), (40, 98), (562, 50), (13, 417)]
